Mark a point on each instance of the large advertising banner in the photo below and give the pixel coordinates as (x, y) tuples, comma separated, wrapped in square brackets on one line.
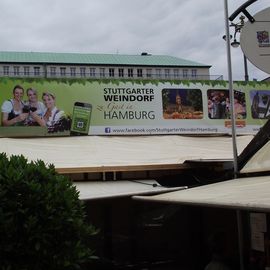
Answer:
[(47, 107)]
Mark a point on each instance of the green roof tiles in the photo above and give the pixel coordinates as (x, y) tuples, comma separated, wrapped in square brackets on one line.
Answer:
[(95, 59)]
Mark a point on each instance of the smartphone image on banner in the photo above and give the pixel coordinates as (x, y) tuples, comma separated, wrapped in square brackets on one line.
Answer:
[(81, 118)]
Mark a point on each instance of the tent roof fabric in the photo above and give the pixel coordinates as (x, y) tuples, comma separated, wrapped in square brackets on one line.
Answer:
[(251, 193), (121, 153), (259, 162), (96, 59), (93, 190)]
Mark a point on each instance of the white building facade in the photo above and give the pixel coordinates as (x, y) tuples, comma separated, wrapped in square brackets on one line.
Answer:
[(101, 66)]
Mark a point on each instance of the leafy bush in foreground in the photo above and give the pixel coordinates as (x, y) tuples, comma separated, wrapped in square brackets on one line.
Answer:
[(42, 220)]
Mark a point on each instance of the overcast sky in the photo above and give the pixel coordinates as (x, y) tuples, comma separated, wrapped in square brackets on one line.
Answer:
[(189, 29)]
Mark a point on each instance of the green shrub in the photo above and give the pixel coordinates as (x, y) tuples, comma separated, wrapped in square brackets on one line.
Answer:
[(42, 220)]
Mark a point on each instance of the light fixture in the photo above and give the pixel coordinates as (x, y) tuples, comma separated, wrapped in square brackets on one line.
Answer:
[(237, 30), (235, 44), (225, 37)]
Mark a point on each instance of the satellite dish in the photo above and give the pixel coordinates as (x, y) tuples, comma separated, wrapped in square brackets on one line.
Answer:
[(255, 40)]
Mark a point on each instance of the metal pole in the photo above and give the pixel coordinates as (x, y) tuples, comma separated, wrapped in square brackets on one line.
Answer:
[(229, 62), (246, 68), (240, 238)]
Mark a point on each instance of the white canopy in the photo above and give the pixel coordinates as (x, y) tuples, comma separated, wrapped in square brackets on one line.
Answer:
[(251, 193), (93, 190), (115, 153), (259, 162)]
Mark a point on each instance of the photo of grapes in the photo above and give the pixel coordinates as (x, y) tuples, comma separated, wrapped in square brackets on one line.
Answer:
[(182, 104)]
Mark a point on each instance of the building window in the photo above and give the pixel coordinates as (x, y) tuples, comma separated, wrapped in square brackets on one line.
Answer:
[(73, 72), (53, 71), (139, 72), (16, 70), (167, 73), (6, 70), (111, 72), (176, 73), (149, 73), (26, 71), (121, 72), (62, 71), (82, 72), (194, 73), (158, 73), (130, 72), (185, 73), (37, 71), (92, 72), (102, 72)]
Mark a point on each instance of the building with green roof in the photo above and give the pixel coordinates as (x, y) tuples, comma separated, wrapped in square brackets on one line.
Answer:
[(100, 66)]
